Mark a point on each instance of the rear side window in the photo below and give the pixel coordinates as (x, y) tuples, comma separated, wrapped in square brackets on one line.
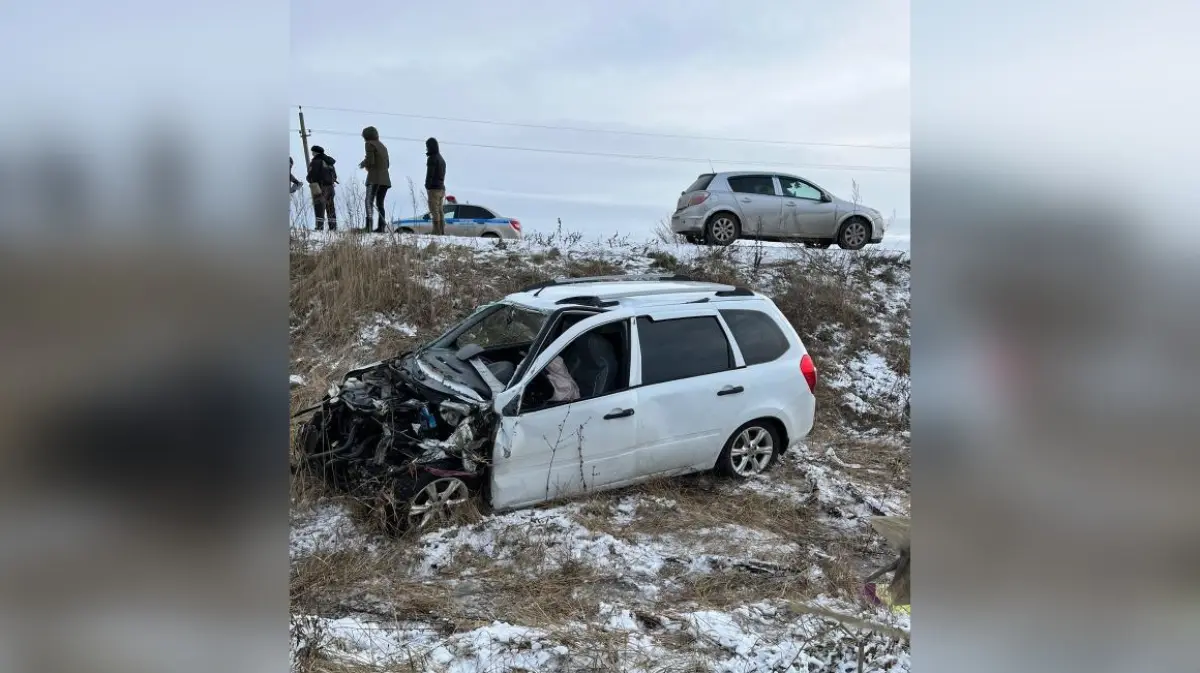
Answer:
[(701, 183), (756, 334), (469, 212), (682, 348), (752, 184)]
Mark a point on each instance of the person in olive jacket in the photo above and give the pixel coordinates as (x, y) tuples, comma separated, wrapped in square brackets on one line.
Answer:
[(379, 180), (435, 185)]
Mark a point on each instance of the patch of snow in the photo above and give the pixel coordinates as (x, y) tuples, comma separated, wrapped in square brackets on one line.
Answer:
[(560, 539), (328, 527), (369, 333), (295, 380)]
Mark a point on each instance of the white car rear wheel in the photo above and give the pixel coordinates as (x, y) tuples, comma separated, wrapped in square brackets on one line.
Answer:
[(750, 450)]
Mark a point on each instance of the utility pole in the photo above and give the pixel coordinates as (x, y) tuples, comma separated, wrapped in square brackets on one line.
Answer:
[(304, 139)]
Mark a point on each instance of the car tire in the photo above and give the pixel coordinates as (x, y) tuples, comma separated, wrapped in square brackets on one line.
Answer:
[(490, 234), (819, 245), (405, 230), (854, 234), (397, 506), (722, 228), (757, 433)]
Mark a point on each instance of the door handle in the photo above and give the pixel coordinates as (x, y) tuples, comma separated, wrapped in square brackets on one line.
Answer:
[(730, 390), (618, 413), (790, 204), (745, 200)]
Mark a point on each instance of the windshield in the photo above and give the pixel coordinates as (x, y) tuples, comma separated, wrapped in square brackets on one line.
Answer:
[(496, 326)]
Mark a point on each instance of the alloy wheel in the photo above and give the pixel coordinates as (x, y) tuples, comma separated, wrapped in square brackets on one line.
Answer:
[(752, 451), (724, 229), (438, 499), (855, 234)]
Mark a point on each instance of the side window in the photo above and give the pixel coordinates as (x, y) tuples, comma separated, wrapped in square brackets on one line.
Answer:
[(595, 364), (799, 189), (682, 348), (447, 212), (752, 184), (757, 334), (469, 212)]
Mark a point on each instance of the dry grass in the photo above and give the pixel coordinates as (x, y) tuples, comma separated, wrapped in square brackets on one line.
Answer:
[(340, 581), (340, 287)]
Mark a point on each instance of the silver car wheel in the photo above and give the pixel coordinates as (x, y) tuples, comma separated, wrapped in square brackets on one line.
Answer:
[(752, 451), (438, 499), (724, 230), (855, 234)]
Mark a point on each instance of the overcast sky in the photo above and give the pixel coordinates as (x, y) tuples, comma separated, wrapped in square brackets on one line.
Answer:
[(785, 70)]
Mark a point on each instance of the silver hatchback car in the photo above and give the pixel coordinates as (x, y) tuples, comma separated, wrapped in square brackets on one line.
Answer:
[(720, 208)]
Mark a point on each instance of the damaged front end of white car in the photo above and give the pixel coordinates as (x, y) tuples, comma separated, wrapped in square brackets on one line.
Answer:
[(396, 431)]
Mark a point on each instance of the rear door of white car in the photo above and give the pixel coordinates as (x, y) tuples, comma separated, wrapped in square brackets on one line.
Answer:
[(690, 389)]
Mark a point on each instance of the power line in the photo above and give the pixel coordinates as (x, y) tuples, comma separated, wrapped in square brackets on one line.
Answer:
[(648, 134), (646, 157)]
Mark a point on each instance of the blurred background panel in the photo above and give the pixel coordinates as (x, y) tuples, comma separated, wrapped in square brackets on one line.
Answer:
[(143, 339), (1055, 323)]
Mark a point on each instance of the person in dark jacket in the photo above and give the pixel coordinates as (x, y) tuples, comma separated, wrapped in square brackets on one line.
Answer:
[(435, 185), (379, 180), (295, 184), (322, 174)]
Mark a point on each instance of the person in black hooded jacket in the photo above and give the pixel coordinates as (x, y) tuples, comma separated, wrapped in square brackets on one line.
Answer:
[(323, 175), (435, 185)]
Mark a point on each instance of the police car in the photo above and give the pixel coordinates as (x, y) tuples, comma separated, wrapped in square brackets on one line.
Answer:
[(463, 219)]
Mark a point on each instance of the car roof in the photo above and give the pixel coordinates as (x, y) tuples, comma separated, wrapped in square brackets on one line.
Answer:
[(627, 293), (735, 174), (460, 203)]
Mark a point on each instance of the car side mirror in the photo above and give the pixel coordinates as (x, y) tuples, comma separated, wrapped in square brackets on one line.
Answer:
[(425, 217)]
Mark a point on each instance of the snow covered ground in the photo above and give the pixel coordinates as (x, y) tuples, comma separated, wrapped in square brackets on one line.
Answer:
[(694, 574)]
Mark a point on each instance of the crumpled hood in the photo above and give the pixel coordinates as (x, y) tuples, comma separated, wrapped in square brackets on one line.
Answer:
[(431, 147)]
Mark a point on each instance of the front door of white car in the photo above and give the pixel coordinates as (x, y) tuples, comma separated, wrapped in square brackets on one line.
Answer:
[(692, 391), (548, 449)]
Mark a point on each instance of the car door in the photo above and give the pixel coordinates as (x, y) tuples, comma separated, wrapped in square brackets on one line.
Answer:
[(546, 449), (425, 225), (759, 203), (807, 213), (690, 387), (470, 220)]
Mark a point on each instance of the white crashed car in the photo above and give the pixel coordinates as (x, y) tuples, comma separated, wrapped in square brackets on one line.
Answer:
[(569, 387)]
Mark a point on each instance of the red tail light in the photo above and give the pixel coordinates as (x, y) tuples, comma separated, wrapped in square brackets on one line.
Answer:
[(451, 199), (516, 224), (697, 198), (810, 372)]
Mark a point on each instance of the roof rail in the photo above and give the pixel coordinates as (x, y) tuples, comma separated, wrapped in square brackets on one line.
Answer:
[(735, 292), (588, 301), (601, 279)]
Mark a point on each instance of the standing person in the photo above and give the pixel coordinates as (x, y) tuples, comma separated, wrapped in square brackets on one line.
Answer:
[(379, 180), (323, 176), (295, 184), (435, 185)]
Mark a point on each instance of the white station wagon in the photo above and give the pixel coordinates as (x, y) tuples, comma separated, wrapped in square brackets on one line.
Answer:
[(570, 387)]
